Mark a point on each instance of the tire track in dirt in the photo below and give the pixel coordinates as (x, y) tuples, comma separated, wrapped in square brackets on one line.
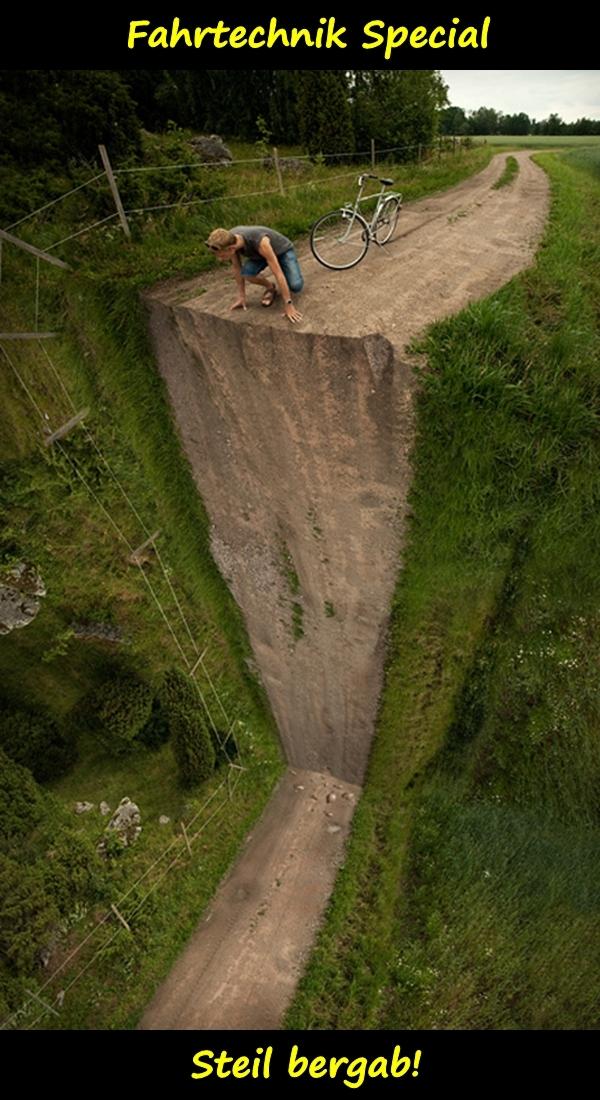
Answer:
[(299, 441)]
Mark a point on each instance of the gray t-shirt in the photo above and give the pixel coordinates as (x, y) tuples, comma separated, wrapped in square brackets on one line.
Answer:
[(253, 235)]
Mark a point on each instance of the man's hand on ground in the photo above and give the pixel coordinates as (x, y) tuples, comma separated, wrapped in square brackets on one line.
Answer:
[(240, 303), (291, 313)]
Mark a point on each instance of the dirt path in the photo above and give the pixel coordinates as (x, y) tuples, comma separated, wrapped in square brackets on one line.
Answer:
[(298, 438), (241, 966)]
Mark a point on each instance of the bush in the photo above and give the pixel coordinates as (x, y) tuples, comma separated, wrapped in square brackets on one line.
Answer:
[(27, 915), (118, 710), (34, 740), (192, 746), (21, 802), (73, 872)]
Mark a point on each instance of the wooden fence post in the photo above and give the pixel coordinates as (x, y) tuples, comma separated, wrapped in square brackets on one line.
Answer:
[(65, 428), (372, 152), (186, 838), (278, 170), (115, 191), (34, 251)]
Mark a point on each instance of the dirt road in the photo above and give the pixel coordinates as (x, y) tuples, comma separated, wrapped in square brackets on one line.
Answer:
[(299, 441), (241, 966)]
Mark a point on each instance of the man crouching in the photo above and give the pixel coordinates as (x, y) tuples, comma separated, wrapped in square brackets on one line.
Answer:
[(260, 247)]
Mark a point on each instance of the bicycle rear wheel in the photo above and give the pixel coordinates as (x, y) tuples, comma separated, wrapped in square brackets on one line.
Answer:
[(340, 239), (387, 220)]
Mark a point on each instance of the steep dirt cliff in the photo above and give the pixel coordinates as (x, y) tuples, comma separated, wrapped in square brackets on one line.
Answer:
[(299, 445)]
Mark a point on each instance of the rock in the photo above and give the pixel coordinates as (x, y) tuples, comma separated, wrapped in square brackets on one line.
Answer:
[(163, 819), (212, 149), (334, 828), (299, 787), (26, 578), (97, 632), (20, 590), (125, 822), (331, 797), (83, 807), (104, 808)]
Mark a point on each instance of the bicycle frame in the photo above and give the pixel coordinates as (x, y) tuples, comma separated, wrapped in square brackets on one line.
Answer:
[(381, 197)]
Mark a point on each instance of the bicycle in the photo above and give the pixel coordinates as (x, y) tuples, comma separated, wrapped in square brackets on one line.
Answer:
[(340, 240)]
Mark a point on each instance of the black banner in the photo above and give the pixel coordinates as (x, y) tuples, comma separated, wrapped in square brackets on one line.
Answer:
[(364, 1063), (404, 36)]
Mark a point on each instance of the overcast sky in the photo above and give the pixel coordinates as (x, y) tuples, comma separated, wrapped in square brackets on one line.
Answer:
[(570, 93)]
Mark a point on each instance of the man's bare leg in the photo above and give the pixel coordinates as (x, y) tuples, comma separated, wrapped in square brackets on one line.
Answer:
[(262, 280)]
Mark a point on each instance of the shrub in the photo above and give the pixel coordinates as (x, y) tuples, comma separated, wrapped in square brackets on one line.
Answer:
[(192, 746), (178, 692), (73, 872), (27, 915), (192, 743), (118, 710), (35, 740), (21, 801)]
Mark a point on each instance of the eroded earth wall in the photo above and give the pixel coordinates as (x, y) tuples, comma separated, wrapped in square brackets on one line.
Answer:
[(299, 446)]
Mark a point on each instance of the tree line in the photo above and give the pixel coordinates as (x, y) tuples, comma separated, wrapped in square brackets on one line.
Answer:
[(53, 116), (486, 120)]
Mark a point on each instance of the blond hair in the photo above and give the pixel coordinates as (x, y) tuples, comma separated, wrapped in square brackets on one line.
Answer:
[(220, 239)]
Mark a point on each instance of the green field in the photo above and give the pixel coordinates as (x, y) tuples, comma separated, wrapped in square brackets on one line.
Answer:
[(537, 141)]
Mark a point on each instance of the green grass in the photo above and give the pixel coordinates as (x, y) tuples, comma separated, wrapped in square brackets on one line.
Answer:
[(470, 896), (509, 172), (539, 141)]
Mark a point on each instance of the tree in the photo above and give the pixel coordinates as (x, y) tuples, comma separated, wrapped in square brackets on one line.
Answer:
[(396, 108), (324, 112), (453, 120), (54, 115), (515, 124), (485, 120)]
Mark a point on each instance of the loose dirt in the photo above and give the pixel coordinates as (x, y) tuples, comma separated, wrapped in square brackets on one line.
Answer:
[(299, 439)]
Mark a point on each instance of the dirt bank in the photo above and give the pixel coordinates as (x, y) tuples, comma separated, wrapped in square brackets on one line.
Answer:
[(298, 439)]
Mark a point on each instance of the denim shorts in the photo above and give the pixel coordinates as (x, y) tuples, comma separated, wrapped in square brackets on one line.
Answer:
[(288, 262)]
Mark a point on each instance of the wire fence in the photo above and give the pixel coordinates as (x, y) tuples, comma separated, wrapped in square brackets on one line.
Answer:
[(227, 786), (272, 161)]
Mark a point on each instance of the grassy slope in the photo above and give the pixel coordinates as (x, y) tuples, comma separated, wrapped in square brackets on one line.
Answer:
[(104, 360), (470, 897)]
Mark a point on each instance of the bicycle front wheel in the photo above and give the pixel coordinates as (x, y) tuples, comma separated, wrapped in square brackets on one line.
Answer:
[(339, 240), (387, 220)]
